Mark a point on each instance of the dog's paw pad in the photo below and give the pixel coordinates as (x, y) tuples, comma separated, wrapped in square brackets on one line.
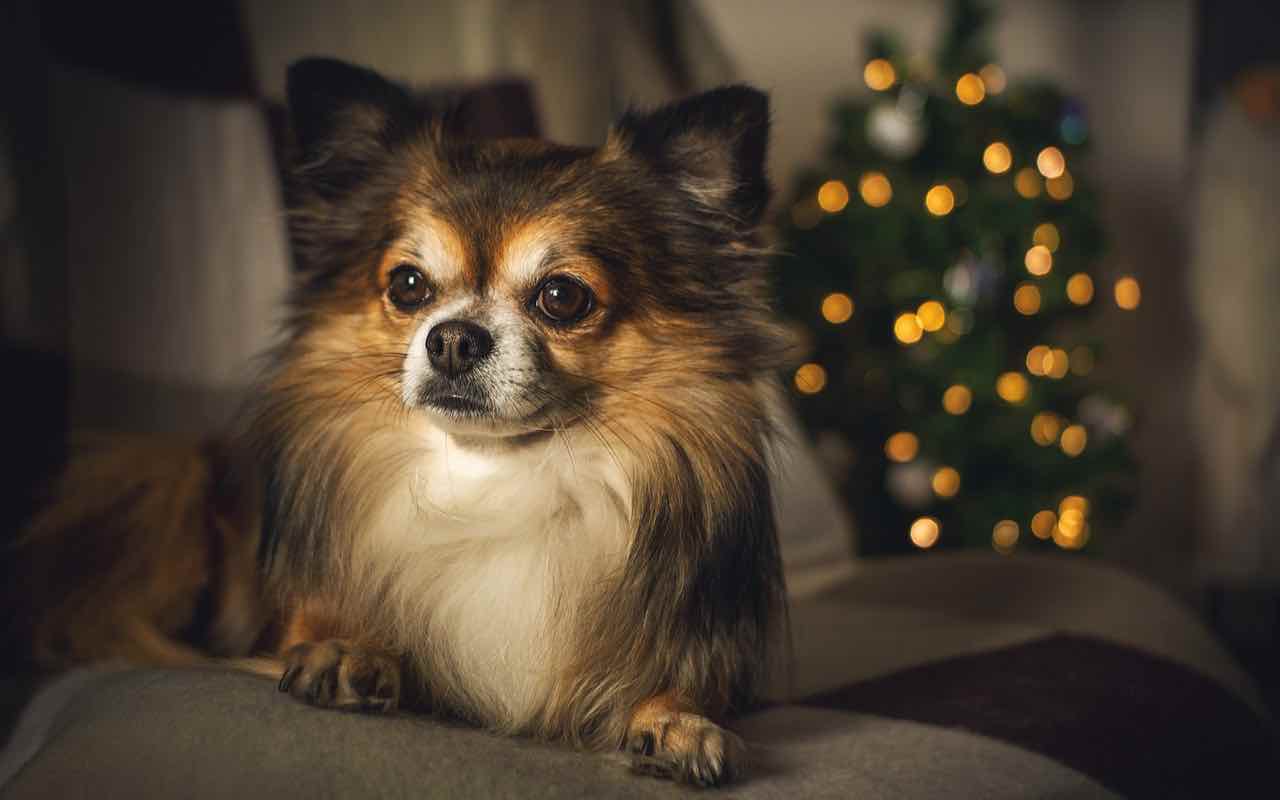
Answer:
[(336, 674), (687, 748)]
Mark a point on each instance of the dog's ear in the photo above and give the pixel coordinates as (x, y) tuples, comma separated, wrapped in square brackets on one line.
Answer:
[(342, 115), (713, 144)]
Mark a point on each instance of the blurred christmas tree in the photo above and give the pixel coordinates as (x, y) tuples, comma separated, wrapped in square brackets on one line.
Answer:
[(940, 260)]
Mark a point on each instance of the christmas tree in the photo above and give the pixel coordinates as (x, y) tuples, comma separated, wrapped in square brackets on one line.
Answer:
[(940, 261)]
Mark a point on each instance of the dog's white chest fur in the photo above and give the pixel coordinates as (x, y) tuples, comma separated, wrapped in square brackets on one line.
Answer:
[(487, 555)]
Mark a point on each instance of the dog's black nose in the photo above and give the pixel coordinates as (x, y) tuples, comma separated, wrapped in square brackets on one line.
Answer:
[(456, 346)]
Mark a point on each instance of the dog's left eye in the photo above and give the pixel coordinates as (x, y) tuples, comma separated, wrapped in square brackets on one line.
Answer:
[(408, 287), (563, 299)]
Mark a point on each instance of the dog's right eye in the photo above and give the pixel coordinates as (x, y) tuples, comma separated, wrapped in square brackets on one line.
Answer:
[(408, 287)]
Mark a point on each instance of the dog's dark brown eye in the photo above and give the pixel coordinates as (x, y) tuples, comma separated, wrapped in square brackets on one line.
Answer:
[(563, 299), (408, 288)]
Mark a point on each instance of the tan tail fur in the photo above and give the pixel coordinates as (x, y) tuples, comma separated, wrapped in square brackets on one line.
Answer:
[(145, 552)]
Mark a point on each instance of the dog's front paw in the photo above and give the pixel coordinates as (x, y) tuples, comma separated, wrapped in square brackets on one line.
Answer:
[(339, 674), (687, 748)]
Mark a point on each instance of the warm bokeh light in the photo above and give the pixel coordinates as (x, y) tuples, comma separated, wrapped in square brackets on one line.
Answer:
[(997, 158), (1051, 163), (907, 329), (875, 189), (1061, 187), (940, 200), (957, 399), (1081, 361), (1038, 260), (879, 74), (902, 447), (1080, 289), (1027, 182), (1045, 428), (946, 482), (1026, 298), (1042, 524), (993, 78), (1071, 541), (1072, 531), (925, 532), (1128, 293), (1004, 536), (1012, 387), (970, 90), (931, 315), (1046, 233), (811, 378), (1039, 358), (1056, 365), (837, 308), (1073, 440), (833, 196), (1074, 502)]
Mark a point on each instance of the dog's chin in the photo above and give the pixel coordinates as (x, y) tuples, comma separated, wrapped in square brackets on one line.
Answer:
[(462, 416)]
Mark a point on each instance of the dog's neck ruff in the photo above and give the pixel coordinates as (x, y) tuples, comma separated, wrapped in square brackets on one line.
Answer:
[(485, 555)]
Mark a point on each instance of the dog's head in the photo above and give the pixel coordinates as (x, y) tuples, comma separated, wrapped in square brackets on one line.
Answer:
[(503, 287)]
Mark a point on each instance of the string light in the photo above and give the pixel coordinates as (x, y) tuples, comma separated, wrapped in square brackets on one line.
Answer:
[(1046, 234), (997, 158), (1128, 293), (1045, 428), (875, 189), (940, 200), (907, 329), (902, 447), (1056, 367), (993, 78), (1027, 183), (1043, 523), (1012, 388), (1074, 502), (946, 482), (931, 315), (1051, 163), (1038, 260), (1038, 359), (1061, 187), (1004, 536), (833, 196), (1081, 361), (879, 74), (970, 90), (924, 532), (1071, 541), (1026, 298), (957, 399), (837, 308), (811, 378), (1080, 289), (1071, 532), (1073, 440)]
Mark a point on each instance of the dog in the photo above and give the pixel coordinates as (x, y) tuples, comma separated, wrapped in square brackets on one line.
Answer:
[(508, 460)]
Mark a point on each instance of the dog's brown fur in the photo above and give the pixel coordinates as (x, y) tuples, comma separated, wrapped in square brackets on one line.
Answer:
[(664, 373)]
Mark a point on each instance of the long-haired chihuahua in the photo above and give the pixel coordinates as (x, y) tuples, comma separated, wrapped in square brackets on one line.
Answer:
[(510, 453)]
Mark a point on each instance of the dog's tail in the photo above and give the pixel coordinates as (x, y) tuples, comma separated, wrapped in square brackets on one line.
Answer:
[(145, 552)]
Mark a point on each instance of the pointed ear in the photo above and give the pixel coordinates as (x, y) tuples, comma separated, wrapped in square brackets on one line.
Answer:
[(340, 111), (714, 144)]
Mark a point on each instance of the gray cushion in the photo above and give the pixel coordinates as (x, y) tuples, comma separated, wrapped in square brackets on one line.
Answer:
[(207, 733)]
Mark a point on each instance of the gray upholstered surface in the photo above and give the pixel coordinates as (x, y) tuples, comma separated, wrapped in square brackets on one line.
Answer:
[(205, 733)]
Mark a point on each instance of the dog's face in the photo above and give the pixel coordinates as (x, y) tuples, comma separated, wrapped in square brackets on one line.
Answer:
[(508, 287)]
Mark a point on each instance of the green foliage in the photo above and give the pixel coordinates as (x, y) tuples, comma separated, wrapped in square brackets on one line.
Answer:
[(892, 258)]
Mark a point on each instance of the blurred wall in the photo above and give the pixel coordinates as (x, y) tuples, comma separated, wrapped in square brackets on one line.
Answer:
[(1130, 63)]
